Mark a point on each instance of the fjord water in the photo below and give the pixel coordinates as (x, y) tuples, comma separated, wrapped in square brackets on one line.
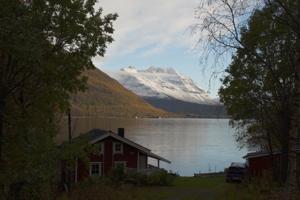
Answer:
[(192, 145)]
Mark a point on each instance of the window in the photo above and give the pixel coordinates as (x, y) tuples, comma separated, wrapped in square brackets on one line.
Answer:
[(120, 164), (118, 148), (101, 148), (95, 169)]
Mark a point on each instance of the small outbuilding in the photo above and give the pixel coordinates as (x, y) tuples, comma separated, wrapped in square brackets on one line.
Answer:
[(259, 163), (262, 162)]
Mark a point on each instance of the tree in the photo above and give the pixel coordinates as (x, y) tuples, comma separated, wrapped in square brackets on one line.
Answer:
[(44, 48), (222, 25), (259, 106), (49, 42)]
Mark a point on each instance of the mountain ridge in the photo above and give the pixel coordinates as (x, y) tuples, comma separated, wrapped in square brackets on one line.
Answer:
[(162, 83), (107, 97), (167, 89)]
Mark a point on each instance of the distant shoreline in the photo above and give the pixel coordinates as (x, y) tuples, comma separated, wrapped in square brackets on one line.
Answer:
[(171, 117)]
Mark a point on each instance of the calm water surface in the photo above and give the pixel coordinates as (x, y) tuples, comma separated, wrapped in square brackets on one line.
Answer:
[(192, 145)]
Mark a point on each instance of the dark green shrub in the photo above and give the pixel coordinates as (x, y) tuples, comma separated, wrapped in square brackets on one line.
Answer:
[(160, 177), (117, 176), (137, 179)]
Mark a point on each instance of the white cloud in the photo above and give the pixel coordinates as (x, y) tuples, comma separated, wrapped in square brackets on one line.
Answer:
[(151, 25)]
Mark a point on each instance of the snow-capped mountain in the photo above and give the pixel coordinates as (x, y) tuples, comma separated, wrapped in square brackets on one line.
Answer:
[(162, 83)]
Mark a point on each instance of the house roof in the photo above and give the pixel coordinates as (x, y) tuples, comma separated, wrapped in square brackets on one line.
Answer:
[(152, 155), (96, 135), (263, 153), (258, 154)]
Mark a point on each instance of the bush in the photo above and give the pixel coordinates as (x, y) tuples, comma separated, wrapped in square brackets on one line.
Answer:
[(117, 176), (161, 177), (137, 179)]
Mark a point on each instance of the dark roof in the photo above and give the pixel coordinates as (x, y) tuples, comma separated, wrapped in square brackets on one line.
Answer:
[(99, 137), (258, 154), (95, 133), (90, 135), (263, 153)]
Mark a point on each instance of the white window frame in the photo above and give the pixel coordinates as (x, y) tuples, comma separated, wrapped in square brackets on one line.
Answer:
[(100, 168), (120, 162), (101, 144), (114, 148)]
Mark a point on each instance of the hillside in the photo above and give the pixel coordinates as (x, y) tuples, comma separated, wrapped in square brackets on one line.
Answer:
[(189, 109), (106, 97)]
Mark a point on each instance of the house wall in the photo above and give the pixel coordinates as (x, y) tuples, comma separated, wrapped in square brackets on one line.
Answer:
[(107, 159), (258, 166)]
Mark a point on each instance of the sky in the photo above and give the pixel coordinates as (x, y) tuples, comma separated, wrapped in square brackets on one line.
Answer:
[(157, 33)]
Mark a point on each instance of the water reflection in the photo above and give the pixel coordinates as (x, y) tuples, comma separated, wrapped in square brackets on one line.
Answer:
[(192, 145)]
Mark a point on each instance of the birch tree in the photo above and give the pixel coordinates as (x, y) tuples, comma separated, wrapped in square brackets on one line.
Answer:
[(219, 28)]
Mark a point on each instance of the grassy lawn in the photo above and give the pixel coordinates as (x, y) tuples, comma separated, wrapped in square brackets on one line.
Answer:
[(184, 188)]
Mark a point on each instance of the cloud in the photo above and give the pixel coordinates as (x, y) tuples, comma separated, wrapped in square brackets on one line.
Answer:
[(150, 26)]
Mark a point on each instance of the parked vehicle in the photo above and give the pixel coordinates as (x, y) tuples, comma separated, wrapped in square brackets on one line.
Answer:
[(236, 172)]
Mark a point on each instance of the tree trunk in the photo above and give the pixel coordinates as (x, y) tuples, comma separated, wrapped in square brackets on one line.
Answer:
[(285, 119), (69, 125), (292, 158), (292, 185), (2, 105)]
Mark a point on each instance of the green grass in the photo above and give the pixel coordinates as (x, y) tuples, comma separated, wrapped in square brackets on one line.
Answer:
[(206, 182), (184, 188)]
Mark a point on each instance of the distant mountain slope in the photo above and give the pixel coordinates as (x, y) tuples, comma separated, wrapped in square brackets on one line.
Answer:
[(170, 90), (162, 83), (106, 97), (189, 109)]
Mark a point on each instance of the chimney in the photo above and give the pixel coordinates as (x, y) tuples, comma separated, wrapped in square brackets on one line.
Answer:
[(121, 132)]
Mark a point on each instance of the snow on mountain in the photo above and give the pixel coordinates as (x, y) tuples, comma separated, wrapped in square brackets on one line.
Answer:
[(162, 84)]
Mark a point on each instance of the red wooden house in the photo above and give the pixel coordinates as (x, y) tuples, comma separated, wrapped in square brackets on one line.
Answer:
[(113, 150)]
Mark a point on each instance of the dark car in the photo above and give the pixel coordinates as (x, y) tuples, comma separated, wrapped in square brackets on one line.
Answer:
[(236, 172)]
